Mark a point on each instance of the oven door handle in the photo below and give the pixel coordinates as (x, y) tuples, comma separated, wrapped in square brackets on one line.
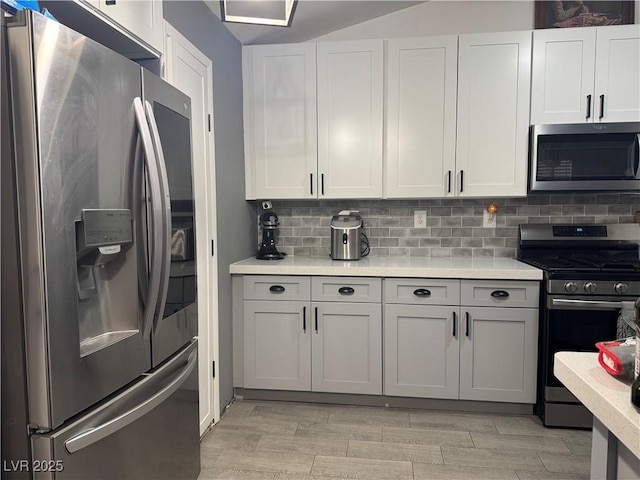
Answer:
[(585, 304)]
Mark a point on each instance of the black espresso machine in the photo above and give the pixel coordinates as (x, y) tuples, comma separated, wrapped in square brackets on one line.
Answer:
[(269, 223)]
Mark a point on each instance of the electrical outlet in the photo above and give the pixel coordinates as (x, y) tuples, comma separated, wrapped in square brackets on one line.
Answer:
[(420, 219), (488, 220)]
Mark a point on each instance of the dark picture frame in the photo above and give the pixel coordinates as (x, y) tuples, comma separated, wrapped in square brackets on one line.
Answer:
[(563, 14)]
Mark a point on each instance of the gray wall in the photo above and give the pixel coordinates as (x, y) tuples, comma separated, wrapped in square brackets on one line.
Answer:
[(454, 226), (235, 217)]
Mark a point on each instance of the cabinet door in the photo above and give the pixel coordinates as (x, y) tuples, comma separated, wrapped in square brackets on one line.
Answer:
[(618, 74), (498, 354), (563, 75), (277, 347), (347, 348), (143, 18), (493, 114), (350, 103), (282, 106), (421, 351), (421, 117)]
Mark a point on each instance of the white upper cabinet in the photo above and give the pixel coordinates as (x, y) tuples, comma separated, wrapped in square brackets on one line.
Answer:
[(494, 72), (617, 83), (457, 118), (143, 18), (421, 86), (586, 75), (133, 28), (350, 107), (281, 113)]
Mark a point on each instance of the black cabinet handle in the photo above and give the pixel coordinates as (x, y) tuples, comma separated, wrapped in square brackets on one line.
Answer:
[(276, 288), (422, 292), (588, 107), (322, 183), (461, 181), (316, 319), (311, 182), (601, 107), (110, 2), (455, 321), (449, 182), (466, 314), (500, 294), (346, 291), (304, 319)]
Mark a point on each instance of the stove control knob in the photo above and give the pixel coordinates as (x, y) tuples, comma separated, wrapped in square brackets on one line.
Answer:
[(571, 287), (590, 287), (621, 288)]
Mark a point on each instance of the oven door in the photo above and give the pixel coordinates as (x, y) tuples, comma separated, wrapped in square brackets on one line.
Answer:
[(576, 323)]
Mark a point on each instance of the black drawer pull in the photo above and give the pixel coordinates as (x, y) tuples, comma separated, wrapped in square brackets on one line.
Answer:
[(304, 319), (422, 292), (500, 294), (276, 288), (316, 319), (346, 291)]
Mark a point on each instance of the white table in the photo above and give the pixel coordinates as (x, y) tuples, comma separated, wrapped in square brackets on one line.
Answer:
[(615, 450)]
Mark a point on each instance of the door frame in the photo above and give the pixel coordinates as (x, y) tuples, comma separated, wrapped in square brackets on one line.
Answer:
[(206, 254)]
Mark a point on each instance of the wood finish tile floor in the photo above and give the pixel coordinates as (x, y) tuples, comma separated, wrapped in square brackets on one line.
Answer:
[(302, 441)]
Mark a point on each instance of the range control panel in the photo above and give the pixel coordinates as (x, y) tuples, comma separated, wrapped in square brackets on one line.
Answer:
[(579, 231)]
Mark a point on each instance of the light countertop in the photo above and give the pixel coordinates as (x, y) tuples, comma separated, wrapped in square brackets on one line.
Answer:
[(606, 397), (430, 267)]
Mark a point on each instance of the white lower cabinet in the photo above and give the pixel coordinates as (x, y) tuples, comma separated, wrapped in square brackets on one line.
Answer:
[(443, 342), (277, 346), (498, 354), (292, 343), (442, 338), (421, 351), (346, 348)]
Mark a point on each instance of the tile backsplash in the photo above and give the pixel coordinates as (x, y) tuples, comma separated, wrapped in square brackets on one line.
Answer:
[(454, 226)]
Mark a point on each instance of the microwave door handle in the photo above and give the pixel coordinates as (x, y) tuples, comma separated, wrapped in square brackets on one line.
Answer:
[(166, 207), (155, 262)]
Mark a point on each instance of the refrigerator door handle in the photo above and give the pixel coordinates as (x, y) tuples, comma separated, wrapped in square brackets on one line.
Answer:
[(166, 207), (95, 434), (152, 294)]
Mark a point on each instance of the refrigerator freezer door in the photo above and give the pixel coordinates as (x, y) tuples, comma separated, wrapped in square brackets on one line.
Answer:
[(148, 431), (75, 164), (169, 112)]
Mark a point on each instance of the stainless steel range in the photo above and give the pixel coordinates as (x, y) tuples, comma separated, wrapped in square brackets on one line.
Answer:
[(589, 271)]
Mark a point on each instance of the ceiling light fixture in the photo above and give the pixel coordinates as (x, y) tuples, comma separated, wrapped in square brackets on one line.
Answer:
[(277, 13)]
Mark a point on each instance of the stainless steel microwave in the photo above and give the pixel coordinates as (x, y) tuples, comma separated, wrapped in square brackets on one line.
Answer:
[(585, 157)]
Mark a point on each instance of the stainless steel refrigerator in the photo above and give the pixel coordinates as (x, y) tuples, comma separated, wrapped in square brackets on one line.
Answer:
[(99, 316)]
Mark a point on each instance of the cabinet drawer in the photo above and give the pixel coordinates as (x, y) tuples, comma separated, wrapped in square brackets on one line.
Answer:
[(422, 291), (346, 289), (504, 293), (276, 287)]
